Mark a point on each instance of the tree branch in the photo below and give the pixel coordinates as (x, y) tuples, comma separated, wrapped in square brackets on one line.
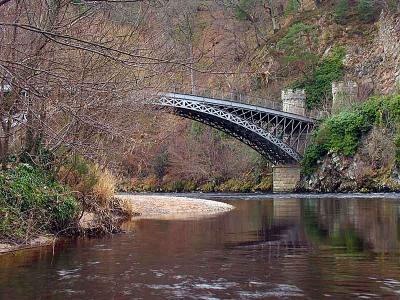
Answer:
[(2, 2)]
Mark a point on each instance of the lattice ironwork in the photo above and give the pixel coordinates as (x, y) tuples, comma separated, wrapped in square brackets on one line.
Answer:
[(279, 136)]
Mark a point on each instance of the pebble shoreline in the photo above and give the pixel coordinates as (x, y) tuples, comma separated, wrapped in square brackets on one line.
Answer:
[(170, 207)]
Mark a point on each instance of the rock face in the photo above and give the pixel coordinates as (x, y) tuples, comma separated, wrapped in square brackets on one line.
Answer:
[(372, 169), (377, 67)]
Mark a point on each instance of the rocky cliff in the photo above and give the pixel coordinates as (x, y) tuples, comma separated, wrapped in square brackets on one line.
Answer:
[(371, 169)]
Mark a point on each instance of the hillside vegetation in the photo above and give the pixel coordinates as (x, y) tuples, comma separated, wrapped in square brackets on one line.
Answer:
[(356, 150)]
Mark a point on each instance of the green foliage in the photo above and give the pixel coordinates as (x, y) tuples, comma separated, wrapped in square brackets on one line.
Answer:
[(313, 154), (242, 9), (366, 10), (393, 5), (32, 202), (397, 144), (318, 84), (208, 187), (235, 186), (265, 185), (298, 44), (79, 174), (292, 7), (341, 11), (342, 133), (196, 129)]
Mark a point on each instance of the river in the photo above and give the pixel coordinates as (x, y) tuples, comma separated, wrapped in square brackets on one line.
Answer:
[(269, 247)]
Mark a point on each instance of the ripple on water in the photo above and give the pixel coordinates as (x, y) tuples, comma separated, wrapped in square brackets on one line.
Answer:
[(68, 274), (280, 290)]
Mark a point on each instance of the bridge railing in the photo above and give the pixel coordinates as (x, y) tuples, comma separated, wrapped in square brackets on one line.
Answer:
[(234, 96), (228, 96)]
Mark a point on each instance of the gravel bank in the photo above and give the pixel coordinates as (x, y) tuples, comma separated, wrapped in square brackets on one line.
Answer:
[(169, 207)]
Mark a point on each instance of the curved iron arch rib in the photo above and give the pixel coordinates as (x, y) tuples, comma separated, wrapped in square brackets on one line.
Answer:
[(249, 133)]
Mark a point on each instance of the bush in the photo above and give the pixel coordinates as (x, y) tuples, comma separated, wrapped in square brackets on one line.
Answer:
[(318, 84), (160, 164), (298, 44), (104, 188), (292, 7), (148, 184), (265, 185), (174, 186), (235, 186), (366, 10), (208, 187), (242, 9), (397, 144), (93, 185), (341, 11), (32, 202), (342, 133)]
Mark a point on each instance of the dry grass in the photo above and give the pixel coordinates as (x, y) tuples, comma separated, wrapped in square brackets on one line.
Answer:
[(104, 188), (125, 206)]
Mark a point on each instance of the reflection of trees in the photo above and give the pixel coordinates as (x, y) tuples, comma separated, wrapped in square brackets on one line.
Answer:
[(352, 224), (345, 225)]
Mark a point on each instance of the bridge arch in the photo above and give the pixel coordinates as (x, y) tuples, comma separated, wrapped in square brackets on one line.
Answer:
[(280, 137)]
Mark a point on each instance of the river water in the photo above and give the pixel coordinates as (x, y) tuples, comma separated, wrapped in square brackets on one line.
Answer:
[(269, 247)]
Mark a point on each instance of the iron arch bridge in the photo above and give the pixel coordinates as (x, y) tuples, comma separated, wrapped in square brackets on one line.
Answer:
[(279, 136)]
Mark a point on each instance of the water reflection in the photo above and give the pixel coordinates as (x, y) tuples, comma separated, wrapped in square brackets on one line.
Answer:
[(264, 249)]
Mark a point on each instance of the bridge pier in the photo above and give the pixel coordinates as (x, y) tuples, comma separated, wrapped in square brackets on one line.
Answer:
[(285, 178)]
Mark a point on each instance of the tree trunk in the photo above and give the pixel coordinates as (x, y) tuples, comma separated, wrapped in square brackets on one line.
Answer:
[(5, 142), (272, 12), (191, 69)]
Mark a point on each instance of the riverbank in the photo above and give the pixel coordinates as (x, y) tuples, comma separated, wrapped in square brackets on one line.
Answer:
[(142, 207), (90, 224), (356, 150), (169, 207)]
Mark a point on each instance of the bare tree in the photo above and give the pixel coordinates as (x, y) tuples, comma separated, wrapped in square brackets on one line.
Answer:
[(76, 77)]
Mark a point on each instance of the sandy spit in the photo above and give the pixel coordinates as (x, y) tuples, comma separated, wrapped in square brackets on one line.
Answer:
[(170, 207)]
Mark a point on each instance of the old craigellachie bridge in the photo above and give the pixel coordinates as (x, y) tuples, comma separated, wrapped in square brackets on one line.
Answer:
[(278, 130)]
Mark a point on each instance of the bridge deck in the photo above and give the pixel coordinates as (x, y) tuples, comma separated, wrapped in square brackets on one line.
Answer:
[(279, 136), (227, 103)]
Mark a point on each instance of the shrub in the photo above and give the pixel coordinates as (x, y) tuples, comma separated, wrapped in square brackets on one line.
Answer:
[(292, 7), (397, 144), (92, 184), (243, 7), (235, 186), (208, 187), (104, 188), (366, 10), (174, 186), (32, 202), (265, 185), (160, 164), (342, 133), (318, 84), (149, 184), (298, 45), (341, 10), (189, 186)]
